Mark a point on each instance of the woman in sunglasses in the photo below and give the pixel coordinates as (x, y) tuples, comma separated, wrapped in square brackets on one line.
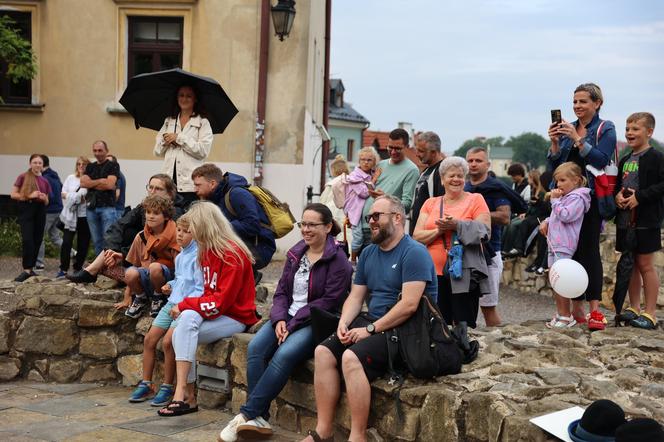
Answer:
[(456, 216), (317, 274)]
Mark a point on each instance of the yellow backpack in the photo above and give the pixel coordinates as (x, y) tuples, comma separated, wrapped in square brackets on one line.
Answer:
[(278, 213)]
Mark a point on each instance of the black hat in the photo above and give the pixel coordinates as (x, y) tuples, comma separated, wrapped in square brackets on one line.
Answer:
[(639, 430), (598, 423)]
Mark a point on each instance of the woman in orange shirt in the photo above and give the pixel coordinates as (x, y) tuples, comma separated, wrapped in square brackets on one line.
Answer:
[(435, 228)]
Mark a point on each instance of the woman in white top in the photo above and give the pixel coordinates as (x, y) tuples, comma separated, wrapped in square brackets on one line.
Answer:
[(73, 217), (184, 141)]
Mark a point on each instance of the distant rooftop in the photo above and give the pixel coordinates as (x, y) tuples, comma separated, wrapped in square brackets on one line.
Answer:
[(339, 109)]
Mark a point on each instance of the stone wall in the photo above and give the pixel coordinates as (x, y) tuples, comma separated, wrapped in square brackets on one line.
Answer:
[(66, 333)]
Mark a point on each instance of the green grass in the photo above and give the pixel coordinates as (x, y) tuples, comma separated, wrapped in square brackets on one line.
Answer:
[(10, 240)]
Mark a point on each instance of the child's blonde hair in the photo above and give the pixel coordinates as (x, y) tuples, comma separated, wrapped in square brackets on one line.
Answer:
[(213, 232), (370, 150), (339, 166), (570, 170), (184, 221), (647, 117)]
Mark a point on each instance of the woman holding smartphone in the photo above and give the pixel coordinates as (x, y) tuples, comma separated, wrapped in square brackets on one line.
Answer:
[(587, 141)]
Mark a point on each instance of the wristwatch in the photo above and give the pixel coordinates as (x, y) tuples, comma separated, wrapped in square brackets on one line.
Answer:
[(371, 328)]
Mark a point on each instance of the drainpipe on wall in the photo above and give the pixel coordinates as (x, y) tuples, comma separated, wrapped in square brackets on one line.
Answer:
[(259, 142), (326, 94)]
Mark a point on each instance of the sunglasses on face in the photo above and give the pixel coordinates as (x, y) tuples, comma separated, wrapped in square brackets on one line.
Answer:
[(376, 216)]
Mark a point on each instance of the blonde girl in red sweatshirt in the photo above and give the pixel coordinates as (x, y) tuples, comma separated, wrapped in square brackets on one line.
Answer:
[(226, 306)]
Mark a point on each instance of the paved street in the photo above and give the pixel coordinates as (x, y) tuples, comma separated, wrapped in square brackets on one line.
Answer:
[(91, 412)]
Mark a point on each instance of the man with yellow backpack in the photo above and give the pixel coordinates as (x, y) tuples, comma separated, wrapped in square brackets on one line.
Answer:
[(255, 214)]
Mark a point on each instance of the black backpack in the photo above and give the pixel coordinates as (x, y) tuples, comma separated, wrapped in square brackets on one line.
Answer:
[(425, 344)]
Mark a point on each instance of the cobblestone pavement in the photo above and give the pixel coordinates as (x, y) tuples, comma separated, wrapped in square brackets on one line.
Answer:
[(92, 412)]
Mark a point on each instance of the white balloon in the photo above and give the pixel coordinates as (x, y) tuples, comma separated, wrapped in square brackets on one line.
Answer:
[(568, 278)]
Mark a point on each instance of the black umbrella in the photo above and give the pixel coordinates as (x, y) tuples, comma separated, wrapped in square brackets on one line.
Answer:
[(151, 97)]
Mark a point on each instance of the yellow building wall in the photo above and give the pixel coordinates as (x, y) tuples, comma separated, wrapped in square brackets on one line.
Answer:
[(82, 70)]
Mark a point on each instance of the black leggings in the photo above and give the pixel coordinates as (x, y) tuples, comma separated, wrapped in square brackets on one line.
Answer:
[(587, 253), (82, 244), (459, 307), (32, 219)]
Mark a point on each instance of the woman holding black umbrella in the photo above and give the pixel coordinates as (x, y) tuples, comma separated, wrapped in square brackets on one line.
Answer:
[(184, 141)]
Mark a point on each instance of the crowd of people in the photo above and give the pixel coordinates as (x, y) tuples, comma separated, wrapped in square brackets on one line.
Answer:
[(192, 251)]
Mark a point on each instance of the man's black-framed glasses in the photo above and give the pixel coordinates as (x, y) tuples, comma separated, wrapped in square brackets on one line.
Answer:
[(376, 215)]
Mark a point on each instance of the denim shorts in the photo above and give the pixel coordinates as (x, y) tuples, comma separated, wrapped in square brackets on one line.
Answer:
[(163, 319), (145, 278)]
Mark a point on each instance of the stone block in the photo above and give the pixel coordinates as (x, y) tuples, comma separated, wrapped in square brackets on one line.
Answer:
[(518, 428), (211, 399), (131, 369), (143, 325), (5, 330), (299, 394), (35, 376), (41, 365), (374, 436), (97, 373), (64, 370), (215, 354), (476, 417), (46, 335), (595, 389), (129, 343), (405, 428), (47, 289), (239, 399), (99, 344), (557, 376), (307, 423), (287, 417), (99, 314), (438, 416), (9, 368), (239, 357)]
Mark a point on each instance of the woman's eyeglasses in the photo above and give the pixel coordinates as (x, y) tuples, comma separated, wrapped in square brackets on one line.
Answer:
[(306, 225), (376, 215), (154, 188)]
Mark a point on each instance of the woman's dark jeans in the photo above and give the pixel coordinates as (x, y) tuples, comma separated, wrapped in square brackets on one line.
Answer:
[(82, 244), (32, 219)]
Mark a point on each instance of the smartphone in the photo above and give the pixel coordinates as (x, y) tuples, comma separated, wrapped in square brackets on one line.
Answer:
[(556, 116), (370, 185), (627, 193)]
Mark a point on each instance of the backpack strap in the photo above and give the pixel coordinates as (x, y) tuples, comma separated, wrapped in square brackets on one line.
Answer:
[(227, 203), (599, 132)]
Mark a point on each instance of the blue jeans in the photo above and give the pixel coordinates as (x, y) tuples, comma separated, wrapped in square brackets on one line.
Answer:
[(99, 220), (267, 377)]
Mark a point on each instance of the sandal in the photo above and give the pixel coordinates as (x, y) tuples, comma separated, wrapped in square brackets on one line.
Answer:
[(644, 321), (625, 317), (177, 408), (317, 438), (559, 321)]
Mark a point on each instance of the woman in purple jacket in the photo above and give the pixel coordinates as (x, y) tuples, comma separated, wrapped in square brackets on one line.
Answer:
[(317, 274)]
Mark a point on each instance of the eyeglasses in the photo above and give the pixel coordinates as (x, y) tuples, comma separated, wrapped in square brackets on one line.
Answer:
[(376, 215), (394, 148), (154, 188), (306, 225)]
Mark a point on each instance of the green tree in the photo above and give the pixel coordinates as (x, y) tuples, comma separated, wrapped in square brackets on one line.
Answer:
[(478, 142), (16, 52), (529, 148)]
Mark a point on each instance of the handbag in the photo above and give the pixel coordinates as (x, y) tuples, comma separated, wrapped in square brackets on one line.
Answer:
[(605, 182), (454, 262)]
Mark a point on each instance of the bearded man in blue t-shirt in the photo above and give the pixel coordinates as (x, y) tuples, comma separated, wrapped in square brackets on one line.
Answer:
[(394, 264)]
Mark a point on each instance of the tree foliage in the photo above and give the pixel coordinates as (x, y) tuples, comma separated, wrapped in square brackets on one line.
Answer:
[(529, 148), (16, 52), (478, 142)]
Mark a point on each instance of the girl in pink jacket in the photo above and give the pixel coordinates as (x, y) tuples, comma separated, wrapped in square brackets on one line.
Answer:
[(570, 200)]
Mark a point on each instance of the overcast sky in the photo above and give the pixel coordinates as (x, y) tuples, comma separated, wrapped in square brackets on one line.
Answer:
[(496, 67)]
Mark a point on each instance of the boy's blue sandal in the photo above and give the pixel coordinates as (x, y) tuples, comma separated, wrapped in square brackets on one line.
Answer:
[(142, 393), (644, 321), (164, 395)]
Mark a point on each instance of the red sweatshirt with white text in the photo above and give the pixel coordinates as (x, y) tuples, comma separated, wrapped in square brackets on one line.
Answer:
[(229, 289)]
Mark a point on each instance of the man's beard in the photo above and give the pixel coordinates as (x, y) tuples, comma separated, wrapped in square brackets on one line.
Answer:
[(384, 233)]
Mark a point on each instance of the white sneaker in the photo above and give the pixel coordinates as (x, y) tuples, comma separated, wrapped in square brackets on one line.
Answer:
[(254, 428), (229, 433)]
